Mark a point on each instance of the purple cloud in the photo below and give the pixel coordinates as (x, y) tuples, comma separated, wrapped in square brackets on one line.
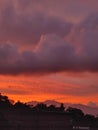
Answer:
[(26, 28), (60, 45)]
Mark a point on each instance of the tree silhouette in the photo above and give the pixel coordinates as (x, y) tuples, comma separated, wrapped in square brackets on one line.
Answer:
[(52, 108), (76, 114), (4, 102), (89, 119), (41, 107), (62, 108), (20, 111), (20, 105)]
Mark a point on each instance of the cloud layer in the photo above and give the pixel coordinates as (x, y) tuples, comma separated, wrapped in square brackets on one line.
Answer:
[(20, 25), (62, 43), (52, 54)]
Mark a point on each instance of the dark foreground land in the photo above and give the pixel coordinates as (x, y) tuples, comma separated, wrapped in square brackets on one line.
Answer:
[(40, 121), (19, 116), (36, 121)]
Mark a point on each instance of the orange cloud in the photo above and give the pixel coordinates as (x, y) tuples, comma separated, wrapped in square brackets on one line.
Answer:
[(54, 87)]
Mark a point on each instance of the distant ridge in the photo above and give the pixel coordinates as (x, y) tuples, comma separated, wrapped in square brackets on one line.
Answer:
[(85, 108)]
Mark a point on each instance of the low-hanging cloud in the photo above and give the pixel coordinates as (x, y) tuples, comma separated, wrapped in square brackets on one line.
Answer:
[(85, 37), (53, 54), (23, 27), (60, 45)]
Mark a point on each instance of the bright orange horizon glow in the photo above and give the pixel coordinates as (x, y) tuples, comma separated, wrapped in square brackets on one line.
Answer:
[(59, 87), (59, 98)]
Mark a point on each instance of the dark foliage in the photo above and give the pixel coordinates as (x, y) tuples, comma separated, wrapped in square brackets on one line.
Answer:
[(23, 111), (4, 102)]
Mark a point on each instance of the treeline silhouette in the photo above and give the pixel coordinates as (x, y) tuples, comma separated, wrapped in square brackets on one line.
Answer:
[(11, 113), (5, 103)]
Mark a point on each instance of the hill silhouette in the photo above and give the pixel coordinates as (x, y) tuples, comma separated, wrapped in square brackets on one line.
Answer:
[(42, 117), (87, 109)]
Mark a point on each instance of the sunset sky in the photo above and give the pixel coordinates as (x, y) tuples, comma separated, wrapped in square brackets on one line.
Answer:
[(49, 50)]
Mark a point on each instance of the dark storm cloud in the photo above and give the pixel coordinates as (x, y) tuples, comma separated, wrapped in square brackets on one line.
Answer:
[(85, 37), (19, 26), (53, 54)]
